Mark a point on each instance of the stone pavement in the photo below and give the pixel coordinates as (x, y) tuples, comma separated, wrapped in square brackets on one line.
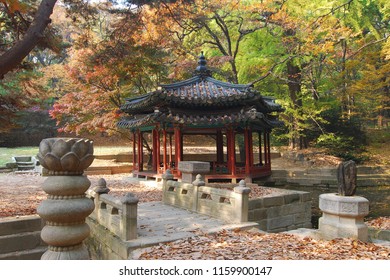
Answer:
[(159, 223)]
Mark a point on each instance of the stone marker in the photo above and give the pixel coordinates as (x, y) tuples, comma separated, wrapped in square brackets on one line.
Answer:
[(190, 169), (346, 178), (343, 216), (66, 206)]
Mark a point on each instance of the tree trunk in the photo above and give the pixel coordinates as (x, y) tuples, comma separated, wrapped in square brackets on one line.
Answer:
[(234, 70), (14, 56), (294, 73)]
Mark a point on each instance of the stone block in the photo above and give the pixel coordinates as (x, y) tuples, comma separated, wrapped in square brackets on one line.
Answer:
[(375, 233), (21, 224), (305, 196), (251, 215), (291, 198), (255, 204), (198, 167), (263, 225), (301, 218), (20, 241), (343, 217), (280, 222), (330, 230), (274, 212), (354, 206), (273, 201), (260, 214)]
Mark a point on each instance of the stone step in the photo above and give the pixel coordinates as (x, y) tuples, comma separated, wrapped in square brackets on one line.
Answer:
[(373, 170), (361, 170), (20, 242), (311, 181), (32, 254), (22, 224), (332, 182)]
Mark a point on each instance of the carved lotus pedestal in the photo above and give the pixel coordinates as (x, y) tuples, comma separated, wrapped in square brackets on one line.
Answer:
[(66, 206), (343, 217)]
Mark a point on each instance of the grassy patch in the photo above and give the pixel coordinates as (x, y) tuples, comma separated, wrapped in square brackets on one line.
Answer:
[(6, 154), (112, 150)]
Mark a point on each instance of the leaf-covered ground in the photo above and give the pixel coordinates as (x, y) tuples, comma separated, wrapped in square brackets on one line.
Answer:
[(380, 223), (20, 194), (254, 245)]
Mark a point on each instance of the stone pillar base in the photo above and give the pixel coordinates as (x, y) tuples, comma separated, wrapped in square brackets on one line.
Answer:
[(78, 252), (343, 217)]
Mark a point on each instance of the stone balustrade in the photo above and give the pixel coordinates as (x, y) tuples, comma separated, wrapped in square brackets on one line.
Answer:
[(284, 210), (118, 215), (227, 205)]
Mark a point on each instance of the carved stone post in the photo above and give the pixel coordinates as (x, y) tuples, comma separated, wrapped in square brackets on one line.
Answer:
[(241, 196), (199, 182), (165, 178), (66, 206)]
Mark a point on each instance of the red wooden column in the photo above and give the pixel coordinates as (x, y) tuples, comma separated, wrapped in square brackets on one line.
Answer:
[(266, 156), (134, 150), (247, 152), (231, 151), (251, 147), (269, 148), (260, 151), (170, 150), (156, 149), (140, 151), (219, 147), (165, 149), (178, 148)]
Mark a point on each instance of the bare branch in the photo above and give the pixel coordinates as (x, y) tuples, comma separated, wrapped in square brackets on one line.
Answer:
[(367, 45), (270, 70)]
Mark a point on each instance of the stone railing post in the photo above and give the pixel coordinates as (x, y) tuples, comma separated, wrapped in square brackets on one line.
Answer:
[(165, 178), (199, 182), (100, 189), (66, 206), (241, 196), (129, 217)]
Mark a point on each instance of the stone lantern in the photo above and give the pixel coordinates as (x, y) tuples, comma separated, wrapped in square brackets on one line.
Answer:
[(66, 206)]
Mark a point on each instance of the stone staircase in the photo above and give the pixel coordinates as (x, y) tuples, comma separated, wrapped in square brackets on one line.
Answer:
[(368, 176), (20, 238)]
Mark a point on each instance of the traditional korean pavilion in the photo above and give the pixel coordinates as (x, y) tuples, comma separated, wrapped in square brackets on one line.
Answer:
[(236, 116)]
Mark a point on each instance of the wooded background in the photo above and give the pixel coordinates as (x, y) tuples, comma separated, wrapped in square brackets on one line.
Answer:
[(326, 62)]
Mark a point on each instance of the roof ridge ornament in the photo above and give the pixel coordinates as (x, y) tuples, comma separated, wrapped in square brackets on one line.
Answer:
[(202, 70)]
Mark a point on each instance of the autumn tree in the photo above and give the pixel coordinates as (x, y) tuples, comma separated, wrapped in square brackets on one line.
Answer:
[(110, 64), (28, 33), (363, 66)]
